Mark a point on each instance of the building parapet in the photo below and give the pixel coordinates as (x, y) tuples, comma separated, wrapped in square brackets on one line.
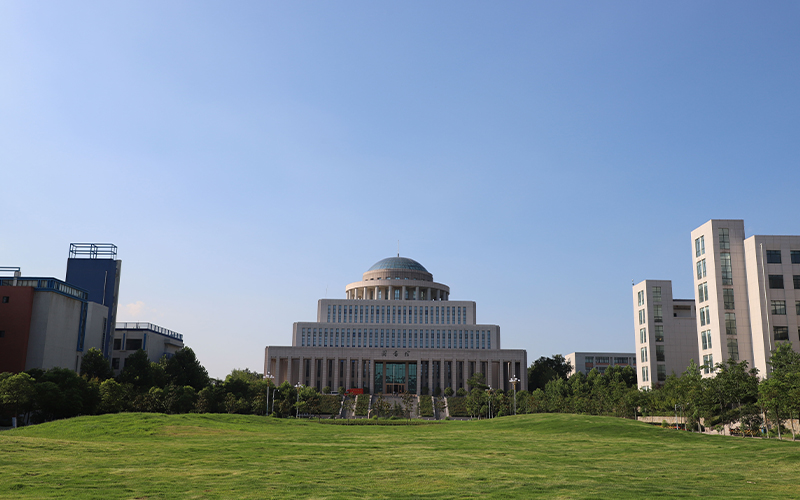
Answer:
[(149, 327)]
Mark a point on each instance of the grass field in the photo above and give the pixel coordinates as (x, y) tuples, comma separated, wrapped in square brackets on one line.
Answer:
[(530, 456)]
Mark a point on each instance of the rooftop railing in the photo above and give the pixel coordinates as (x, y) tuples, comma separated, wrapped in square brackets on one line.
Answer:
[(150, 327), (92, 251), (47, 284)]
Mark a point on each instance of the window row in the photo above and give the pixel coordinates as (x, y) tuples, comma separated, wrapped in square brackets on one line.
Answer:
[(427, 339), (776, 281), (774, 256), (417, 315)]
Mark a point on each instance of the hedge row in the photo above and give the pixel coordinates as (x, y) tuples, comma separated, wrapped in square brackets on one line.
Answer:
[(425, 406)]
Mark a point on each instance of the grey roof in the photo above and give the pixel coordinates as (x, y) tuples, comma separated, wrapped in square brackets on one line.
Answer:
[(398, 263)]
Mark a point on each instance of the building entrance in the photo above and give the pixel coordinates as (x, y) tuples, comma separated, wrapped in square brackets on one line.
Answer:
[(395, 388), (395, 378)]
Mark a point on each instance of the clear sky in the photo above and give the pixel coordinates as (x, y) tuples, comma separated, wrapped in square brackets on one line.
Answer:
[(250, 158)]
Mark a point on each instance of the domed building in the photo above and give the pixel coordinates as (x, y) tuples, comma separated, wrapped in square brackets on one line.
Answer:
[(396, 330)]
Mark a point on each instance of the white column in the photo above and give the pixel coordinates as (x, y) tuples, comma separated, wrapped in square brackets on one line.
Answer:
[(416, 294), (391, 292), (313, 380), (360, 373), (375, 296), (403, 293)]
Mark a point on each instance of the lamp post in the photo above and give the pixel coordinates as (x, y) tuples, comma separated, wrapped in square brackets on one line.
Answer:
[(514, 381), (489, 391), (269, 377), (298, 386)]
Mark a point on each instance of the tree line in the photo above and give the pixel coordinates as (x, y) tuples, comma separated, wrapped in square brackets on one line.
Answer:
[(181, 384)]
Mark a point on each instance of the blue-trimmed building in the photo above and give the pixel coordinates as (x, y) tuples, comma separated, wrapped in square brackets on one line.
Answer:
[(156, 341), (46, 323)]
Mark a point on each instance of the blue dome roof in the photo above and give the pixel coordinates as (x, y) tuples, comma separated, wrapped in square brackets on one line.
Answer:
[(398, 263)]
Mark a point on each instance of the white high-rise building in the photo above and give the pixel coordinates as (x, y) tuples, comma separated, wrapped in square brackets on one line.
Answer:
[(747, 292), (666, 335)]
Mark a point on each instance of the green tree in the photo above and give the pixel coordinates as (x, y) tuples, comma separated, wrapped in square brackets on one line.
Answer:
[(183, 368), (114, 396), (94, 365), (477, 381), (545, 369), (138, 371), (734, 390), (16, 392)]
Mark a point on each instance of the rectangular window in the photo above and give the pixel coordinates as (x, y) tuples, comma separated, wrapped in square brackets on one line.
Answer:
[(708, 363), (117, 344), (730, 323), (797, 306), (5, 299), (781, 332), (796, 280), (659, 333), (115, 363), (645, 374), (656, 294), (727, 298), (705, 316), (776, 281), (778, 307), (133, 344), (795, 256), (657, 317), (640, 297), (702, 292), (701, 269), (700, 246), (773, 256), (733, 349), (2, 334), (724, 238), (705, 338), (644, 354), (641, 317), (643, 334), (659, 353), (662, 372), (726, 268)]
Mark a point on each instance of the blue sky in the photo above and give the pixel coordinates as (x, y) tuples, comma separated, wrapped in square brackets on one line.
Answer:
[(249, 158)]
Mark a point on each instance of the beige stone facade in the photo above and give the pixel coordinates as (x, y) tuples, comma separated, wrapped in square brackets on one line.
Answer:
[(395, 331)]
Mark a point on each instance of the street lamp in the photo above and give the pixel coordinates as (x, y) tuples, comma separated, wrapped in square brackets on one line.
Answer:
[(490, 401), (514, 381), (269, 377), (298, 386)]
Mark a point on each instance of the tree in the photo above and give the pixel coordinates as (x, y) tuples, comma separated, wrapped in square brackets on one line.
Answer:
[(94, 365), (183, 368), (735, 390), (16, 392), (546, 369), (137, 371), (114, 396), (448, 391), (476, 381), (407, 400)]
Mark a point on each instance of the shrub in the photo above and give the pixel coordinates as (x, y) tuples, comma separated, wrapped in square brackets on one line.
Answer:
[(425, 406), (362, 405), (461, 392), (448, 391), (329, 404), (664, 424), (457, 407)]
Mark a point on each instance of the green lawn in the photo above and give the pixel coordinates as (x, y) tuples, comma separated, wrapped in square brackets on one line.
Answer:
[(529, 456)]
